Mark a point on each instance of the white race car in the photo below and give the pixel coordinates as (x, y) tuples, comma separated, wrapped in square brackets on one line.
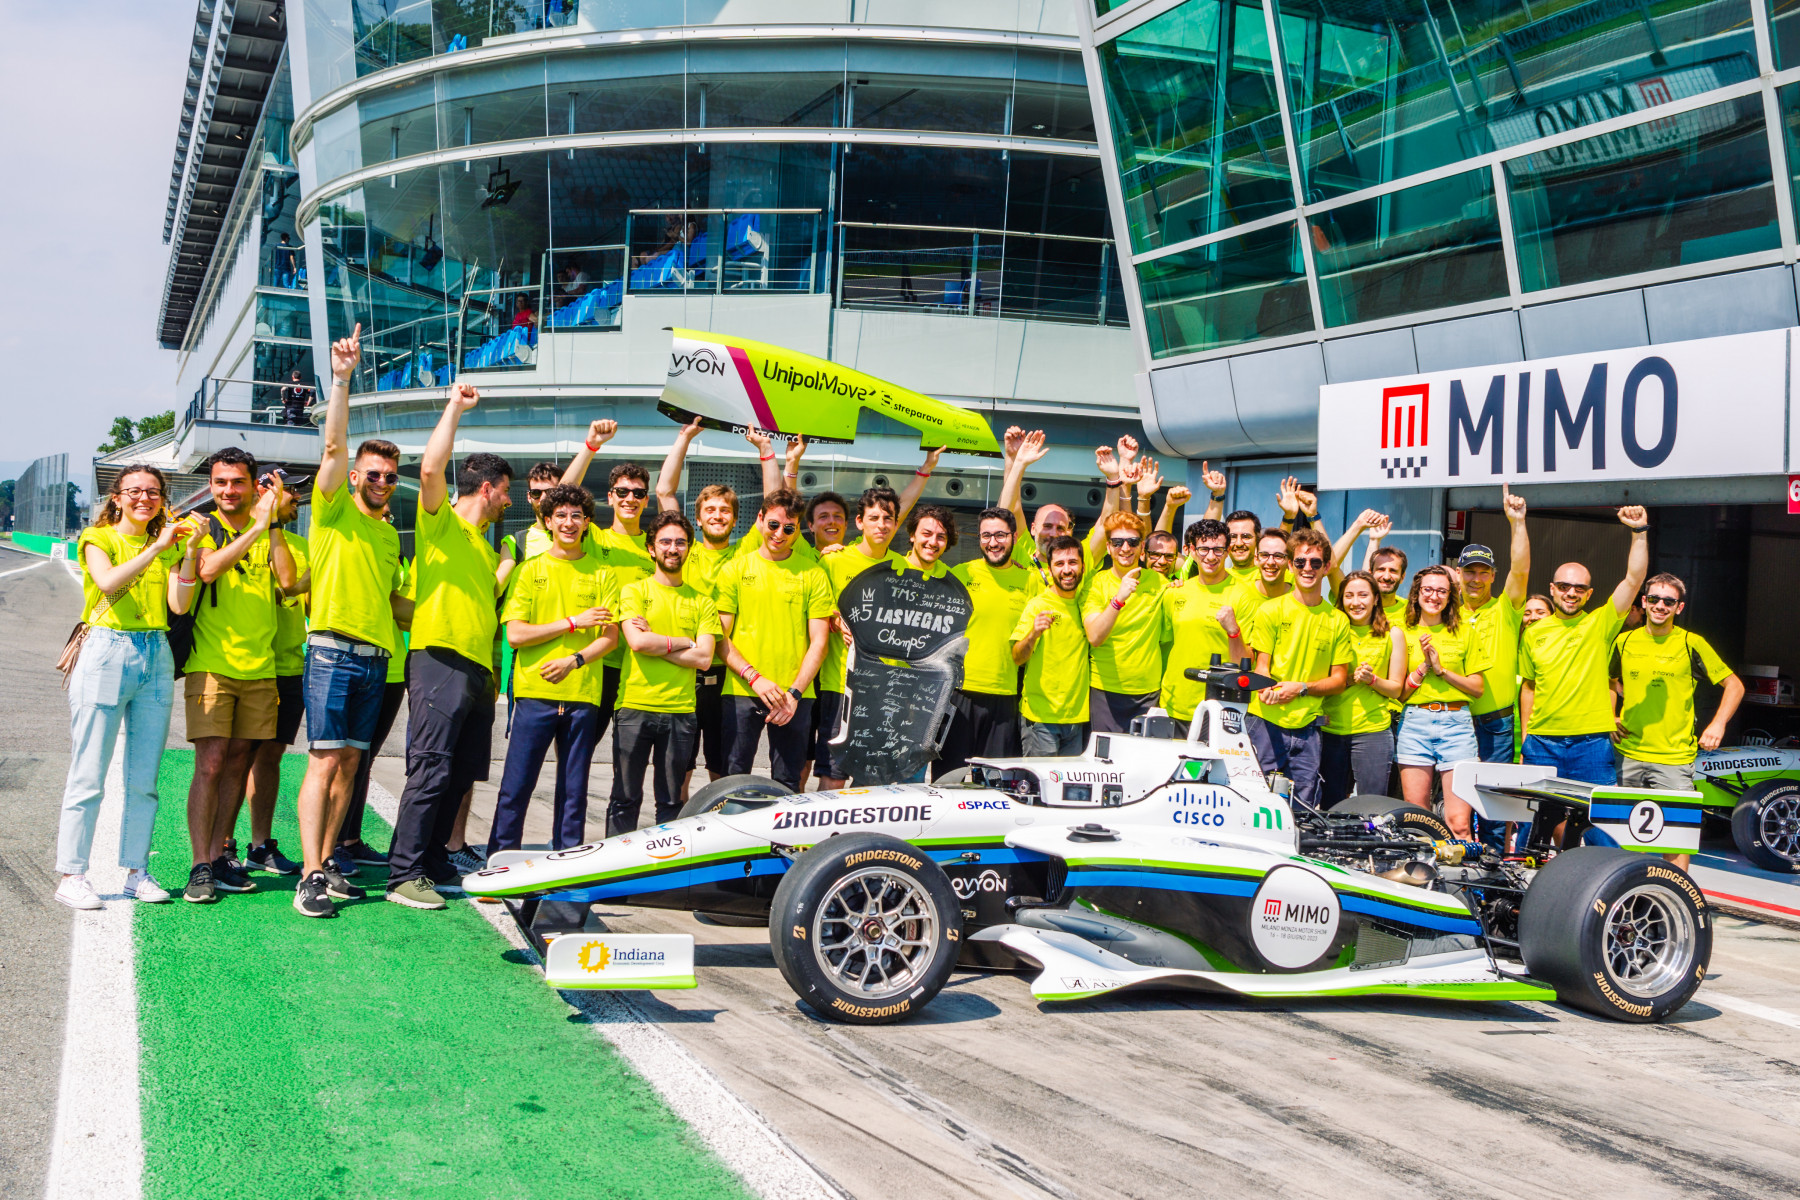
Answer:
[(1756, 787), (1151, 861)]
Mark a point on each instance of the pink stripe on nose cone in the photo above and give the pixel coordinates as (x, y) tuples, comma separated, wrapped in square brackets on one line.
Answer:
[(753, 389)]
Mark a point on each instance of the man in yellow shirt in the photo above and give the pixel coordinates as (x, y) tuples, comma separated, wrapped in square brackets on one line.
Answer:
[(775, 610), (1199, 619), (1121, 609), (1492, 625), (450, 687), (1303, 643), (670, 630), (560, 617), (1566, 697), (984, 722), (877, 519), (1051, 643), (351, 626), (290, 704)]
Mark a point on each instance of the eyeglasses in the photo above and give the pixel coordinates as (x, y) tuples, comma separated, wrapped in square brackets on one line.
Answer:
[(1160, 555), (636, 493), (780, 527), (386, 478), (1309, 564), (1122, 543), (1209, 552), (672, 543), (1272, 555), (141, 493), (1435, 593), (1560, 586), (1661, 601), (995, 537)]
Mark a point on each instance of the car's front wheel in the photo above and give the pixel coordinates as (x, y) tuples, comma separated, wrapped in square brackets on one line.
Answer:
[(865, 928), (1620, 934), (1766, 825)]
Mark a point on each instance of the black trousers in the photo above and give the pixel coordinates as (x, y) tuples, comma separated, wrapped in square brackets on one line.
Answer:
[(637, 737), (982, 725), (745, 719), (359, 795), (709, 696), (449, 742), (1363, 759)]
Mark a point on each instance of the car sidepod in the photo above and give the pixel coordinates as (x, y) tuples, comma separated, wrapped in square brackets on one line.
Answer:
[(1150, 909)]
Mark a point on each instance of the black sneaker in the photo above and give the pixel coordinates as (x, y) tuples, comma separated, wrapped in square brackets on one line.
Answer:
[(229, 877), (267, 859), (310, 898), (468, 860), (450, 881), (341, 862), (339, 888), (362, 852), (199, 888)]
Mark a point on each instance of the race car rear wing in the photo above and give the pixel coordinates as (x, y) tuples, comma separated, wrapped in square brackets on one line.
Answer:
[(1643, 819)]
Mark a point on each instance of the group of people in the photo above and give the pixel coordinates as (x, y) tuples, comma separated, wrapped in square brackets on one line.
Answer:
[(694, 647)]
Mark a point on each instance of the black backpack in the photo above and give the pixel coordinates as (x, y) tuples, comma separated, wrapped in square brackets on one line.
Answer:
[(181, 625)]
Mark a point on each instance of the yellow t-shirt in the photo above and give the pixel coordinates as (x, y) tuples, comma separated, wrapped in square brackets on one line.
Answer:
[(1491, 634), (1056, 674), (1129, 661), (701, 571), (1658, 702), (1454, 652), (1566, 659), (1359, 708), (652, 683), (456, 568), (772, 603), (1191, 630), (234, 616), (628, 558), (1304, 644), (290, 615), (547, 588), (838, 570), (1246, 574), (145, 604), (998, 596), (355, 568)]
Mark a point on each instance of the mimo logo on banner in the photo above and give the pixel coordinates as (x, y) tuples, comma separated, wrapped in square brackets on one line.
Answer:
[(1703, 408)]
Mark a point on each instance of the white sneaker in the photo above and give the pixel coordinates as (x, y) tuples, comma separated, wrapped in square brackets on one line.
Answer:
[(76, 892), (139, 886)]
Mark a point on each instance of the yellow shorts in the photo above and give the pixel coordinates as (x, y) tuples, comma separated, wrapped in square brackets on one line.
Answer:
[(220, 706)]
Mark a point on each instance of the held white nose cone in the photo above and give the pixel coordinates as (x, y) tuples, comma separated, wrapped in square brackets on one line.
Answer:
[(621, 961)]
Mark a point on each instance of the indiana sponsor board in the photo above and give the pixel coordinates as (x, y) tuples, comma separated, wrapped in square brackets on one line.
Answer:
[(1712, 407), (587, 961), (736, 384)]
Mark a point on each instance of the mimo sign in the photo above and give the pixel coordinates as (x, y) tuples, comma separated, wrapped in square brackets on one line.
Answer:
[(1716, 406)]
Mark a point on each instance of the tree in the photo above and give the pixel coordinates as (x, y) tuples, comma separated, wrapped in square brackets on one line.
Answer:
[(7, 487), (73, 518), (125, 431)]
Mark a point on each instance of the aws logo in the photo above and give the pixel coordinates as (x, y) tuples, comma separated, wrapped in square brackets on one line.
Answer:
[(661, 848), (701, 362)]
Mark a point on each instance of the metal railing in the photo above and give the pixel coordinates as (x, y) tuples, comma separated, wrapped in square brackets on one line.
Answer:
[(585, 285), (723, 249), (499, 328), (251, 402)]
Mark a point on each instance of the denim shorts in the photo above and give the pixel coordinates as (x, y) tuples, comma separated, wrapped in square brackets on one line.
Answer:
[(1435, 739), (343, 697)]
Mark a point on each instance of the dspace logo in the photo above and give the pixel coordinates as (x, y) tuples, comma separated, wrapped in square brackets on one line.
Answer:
[(976, 804)]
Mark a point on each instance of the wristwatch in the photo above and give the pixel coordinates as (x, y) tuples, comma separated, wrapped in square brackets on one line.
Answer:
[(796, 693)]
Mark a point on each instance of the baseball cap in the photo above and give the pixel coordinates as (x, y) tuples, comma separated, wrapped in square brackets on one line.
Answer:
[(1475, 555)]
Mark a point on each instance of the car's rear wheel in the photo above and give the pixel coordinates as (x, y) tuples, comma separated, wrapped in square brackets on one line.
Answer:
[(1616, 933), (865, 928), (1766, 825), (743, 791)]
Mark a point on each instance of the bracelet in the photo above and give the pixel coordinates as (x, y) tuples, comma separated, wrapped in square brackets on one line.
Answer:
[(768, 458), (183, 580), (790, 474), (1217, 495), (1117, 603), (670, 648), (923, 474), (592, 449), (1116, 483), (751, 674), (1638, 528), (571, 621)]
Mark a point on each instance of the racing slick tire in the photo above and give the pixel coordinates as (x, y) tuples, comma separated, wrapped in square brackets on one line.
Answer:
[(865, 928), (751, 791), (1620, 934), (1766, 825), (1409, 817)]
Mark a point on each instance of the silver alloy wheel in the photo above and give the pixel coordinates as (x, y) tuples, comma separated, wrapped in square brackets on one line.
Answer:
[(1779, 824), (876, 933), (1649, 940)]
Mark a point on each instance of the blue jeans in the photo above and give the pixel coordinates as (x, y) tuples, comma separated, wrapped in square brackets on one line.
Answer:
[(1293, 752), (120, 677), (1584, 757), (1051, 741), (1494, 735), (575, 730)]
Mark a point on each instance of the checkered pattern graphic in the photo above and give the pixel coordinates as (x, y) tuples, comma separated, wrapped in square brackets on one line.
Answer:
[(1405, 467)]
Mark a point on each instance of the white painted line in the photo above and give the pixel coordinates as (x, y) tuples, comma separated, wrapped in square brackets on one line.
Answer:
[(742, 1139), (1749, 1008), (97, 1149), (21, 570)]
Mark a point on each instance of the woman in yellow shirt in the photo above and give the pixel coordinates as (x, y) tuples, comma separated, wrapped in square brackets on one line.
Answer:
[(1358, 742), (133, 576), (1436, 728)]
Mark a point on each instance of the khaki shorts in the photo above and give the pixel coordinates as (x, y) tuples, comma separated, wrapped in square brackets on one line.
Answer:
[(220, 706), (1669, 777)]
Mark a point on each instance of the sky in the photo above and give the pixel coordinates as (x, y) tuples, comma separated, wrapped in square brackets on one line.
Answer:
[(92, 93)]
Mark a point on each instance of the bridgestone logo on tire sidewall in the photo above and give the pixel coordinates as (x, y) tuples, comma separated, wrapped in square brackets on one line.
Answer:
[(893, 856)]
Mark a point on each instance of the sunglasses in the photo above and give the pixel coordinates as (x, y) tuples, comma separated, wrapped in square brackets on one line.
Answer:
[(1661, 601), (537, 493), (1560, 586), (387, 478), (636, 493), (1309, 564), (786, 527), (1121, 543)]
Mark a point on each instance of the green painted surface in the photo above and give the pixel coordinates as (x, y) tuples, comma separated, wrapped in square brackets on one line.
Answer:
[(386, 1052)]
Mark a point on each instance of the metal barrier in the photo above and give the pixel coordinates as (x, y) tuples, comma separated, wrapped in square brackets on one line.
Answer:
[(251, 402), (723, 249)]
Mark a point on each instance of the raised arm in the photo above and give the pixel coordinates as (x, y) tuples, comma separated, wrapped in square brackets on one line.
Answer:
[(1215, 487), (1031, 448), (1637, 565), (668, 480), (1287, 497), (598, 434), (916, 488), (221, 559), (1149, 480), (434, 487), (334, 435), (790, 462), (1518, 569), (765, 449), (1340, 549), (1378, 529), (1177, 497), (1110, 470)]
